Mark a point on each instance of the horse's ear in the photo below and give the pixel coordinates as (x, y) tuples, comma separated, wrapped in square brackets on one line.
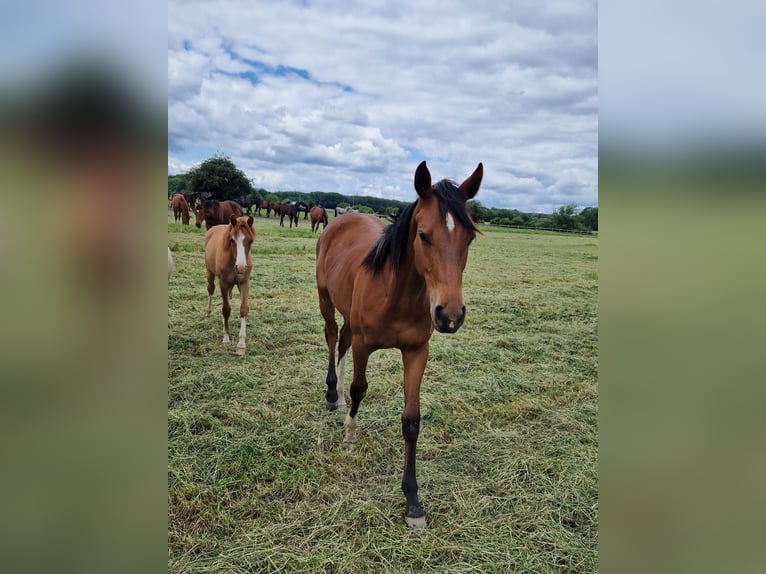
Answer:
[(249, 220), (470, 186), (233, 219), (423, 181)]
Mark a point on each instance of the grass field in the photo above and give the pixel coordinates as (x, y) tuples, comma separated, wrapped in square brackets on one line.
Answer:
[(258, 479)]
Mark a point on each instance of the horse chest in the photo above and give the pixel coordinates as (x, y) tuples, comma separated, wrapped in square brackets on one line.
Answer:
[(391, 330)]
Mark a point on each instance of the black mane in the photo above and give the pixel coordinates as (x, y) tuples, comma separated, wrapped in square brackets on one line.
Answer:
[(393, 240)]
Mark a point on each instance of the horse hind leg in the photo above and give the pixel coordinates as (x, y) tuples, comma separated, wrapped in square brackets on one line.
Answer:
[(331, 337), (357, 391), (210, 291), (343, 346), (225, 292), (244, 310)]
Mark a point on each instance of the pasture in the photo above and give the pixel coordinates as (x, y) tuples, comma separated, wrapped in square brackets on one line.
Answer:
[(258, 479)]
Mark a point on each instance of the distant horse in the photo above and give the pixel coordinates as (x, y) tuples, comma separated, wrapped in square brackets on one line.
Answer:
[(180, 208), (193, 199), (392, 286), (304, 207), (227, 256), (318, 215), (291, 211), (247, 204), (214, 212), (342, 210), (270, 206)]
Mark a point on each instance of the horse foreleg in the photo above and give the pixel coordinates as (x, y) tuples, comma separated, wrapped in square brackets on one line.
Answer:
[(244, 310), (414, 366), (357, 391)]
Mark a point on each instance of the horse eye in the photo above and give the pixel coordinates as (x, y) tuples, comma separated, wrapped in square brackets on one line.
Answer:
[(423, 237)]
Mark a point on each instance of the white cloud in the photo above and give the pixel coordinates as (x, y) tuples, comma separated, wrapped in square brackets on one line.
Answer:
[(332, 97)]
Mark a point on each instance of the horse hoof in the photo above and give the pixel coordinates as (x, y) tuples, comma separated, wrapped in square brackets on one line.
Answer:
[(416, 523), (349, 446), (331, 406), (240, 351)]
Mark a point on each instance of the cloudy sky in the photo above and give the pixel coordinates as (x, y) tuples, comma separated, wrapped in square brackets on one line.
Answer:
[(350, 97)]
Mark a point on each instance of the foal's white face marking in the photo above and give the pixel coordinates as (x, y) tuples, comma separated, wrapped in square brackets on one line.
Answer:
[(241, 262), (450, 222)]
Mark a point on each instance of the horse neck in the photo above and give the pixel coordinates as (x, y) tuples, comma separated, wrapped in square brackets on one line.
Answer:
[(406, 284)]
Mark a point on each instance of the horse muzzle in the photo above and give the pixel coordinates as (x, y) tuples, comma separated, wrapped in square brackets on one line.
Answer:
[(448, 322)]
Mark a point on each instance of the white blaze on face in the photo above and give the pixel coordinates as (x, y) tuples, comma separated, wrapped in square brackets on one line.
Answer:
[(450, 222), (241, 262)]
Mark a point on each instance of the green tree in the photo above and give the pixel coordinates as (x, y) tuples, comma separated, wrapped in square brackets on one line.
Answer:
[(177, 184), (564, 217), (476, 210), (589, 218), (219, 178)]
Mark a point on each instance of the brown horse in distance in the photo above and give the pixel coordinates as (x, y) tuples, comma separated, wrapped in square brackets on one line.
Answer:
[(214, 212), (318, 215), (291, 211), (227, 256), (393, 286), (180, 208)]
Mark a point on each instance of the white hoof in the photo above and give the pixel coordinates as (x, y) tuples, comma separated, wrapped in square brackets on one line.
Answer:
[(240, 351), (416, 523), (226, 339)]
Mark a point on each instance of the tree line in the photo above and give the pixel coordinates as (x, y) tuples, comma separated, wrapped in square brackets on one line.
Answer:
[(219, 178)]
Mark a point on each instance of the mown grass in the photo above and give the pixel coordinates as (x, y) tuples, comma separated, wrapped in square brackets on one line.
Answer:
[(258, 480)]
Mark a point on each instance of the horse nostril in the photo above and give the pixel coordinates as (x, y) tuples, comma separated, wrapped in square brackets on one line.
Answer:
[(438, 312), (462, 312)]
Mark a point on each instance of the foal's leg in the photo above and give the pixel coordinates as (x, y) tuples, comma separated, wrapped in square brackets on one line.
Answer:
[(331, 336), (225, 293), (343, 346), (244, 309), (358, 389), (414, 366), (210, 291)]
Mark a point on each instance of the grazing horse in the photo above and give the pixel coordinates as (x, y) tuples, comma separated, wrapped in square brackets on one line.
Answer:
[(193, 199), (291, 211), (304, 207), (247, 203), (342, 210), (214, 212), (318, 215), (180, 208), (227, 256), (393, 286)]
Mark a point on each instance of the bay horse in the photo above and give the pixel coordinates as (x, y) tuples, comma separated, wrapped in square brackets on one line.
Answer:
[(247, 203), (318, 215), (304, 207), (193, 199), (180, 208), (214, 212), (393, 286), (291, 211), (227, 256)]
